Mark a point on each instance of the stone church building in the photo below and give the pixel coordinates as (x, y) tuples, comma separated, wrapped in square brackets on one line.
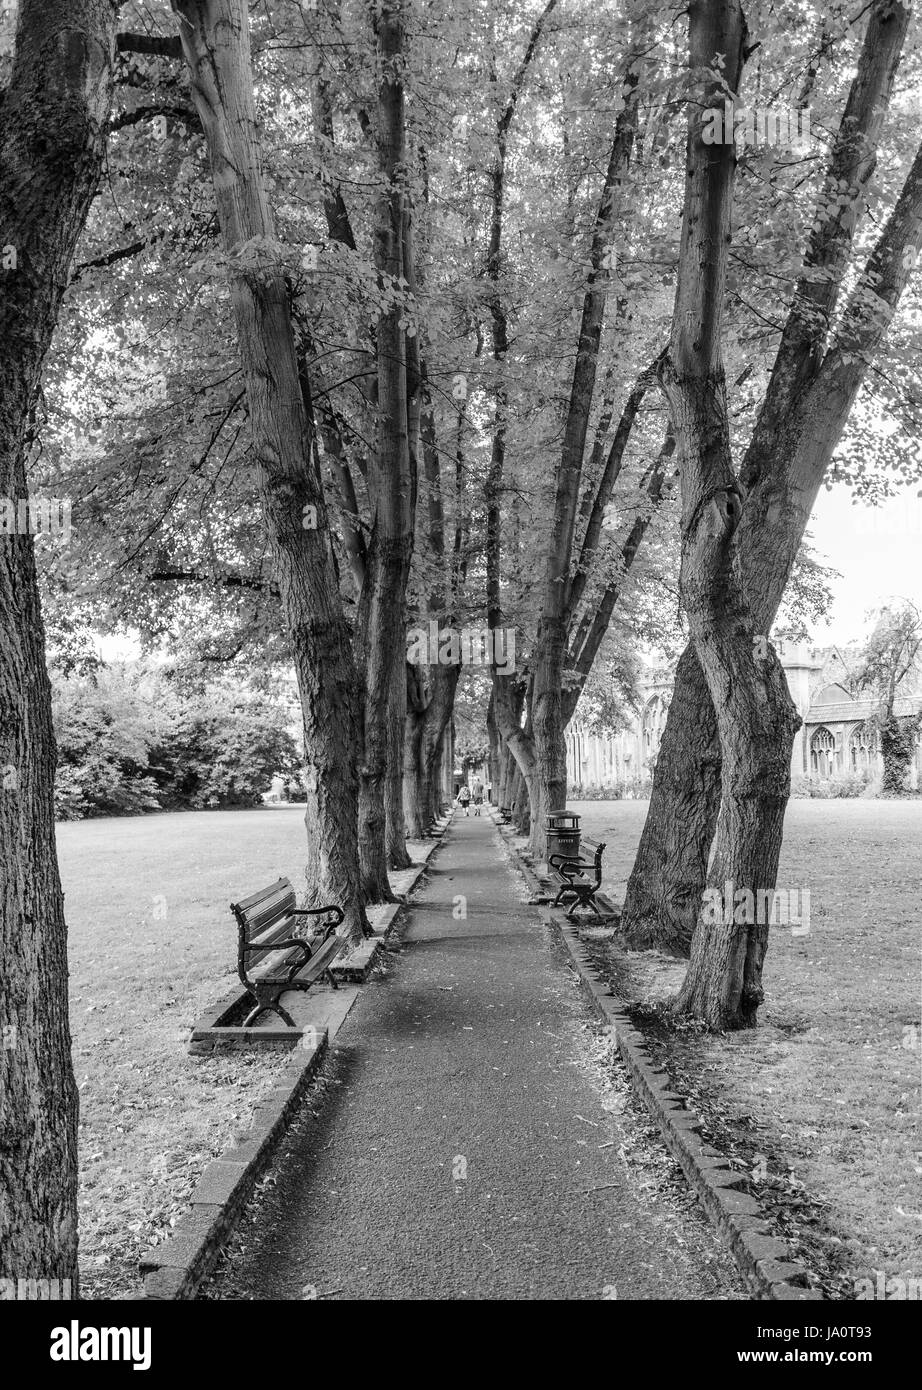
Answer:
[(834, 740)]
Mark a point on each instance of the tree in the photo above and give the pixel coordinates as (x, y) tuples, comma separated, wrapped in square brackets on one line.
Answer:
[(215, 40), (821, 361), (888, 665), (52, 138), (391, 476), (756, 718)]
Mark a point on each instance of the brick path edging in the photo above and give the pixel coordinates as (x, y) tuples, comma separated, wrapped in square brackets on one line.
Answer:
[(765, 1262)]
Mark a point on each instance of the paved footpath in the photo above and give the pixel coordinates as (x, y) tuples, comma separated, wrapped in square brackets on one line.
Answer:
[(465, 1146)]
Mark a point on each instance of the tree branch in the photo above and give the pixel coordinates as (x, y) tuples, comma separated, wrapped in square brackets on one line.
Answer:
[(851, 164)]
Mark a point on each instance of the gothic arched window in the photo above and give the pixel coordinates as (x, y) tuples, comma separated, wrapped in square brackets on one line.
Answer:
[(863, 746), (823, 752)]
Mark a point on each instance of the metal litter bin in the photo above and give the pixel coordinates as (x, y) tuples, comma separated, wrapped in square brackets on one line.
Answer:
[(562, 829)]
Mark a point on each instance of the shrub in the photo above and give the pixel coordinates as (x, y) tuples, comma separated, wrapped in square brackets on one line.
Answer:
[(631, 789), (132, 739), (851, 784)]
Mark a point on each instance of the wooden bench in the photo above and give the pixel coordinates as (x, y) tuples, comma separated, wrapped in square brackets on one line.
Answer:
[(505, 815), (581, 878), (270, 959)]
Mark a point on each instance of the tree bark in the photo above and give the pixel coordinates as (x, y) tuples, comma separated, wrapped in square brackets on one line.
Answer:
[(397, 856), (664, 890), (215, 40), (494, 759), (391, 488), (52, 143), (519, 744)]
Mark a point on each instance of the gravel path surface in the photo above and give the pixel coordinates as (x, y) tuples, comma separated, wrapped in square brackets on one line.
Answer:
[(473, 1136)]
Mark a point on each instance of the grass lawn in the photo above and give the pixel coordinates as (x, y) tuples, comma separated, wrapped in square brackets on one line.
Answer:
[(821, 1103), (152, 944)]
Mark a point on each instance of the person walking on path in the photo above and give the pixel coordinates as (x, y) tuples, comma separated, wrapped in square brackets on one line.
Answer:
[(477, 798), (464, 798)]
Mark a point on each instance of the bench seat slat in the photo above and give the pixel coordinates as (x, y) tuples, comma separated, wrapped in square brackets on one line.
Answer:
[(276, 970)]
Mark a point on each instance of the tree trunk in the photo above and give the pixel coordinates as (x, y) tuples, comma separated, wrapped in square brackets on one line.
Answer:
[(757, 724), (52, 142), (381, 629), (549, 792), (494, 760), (756, 718), (521, 806), (216, 44), (391, 489), (664, 889), (414, 803), (548, 781), (505, 760), (397, 856), (517, 789)]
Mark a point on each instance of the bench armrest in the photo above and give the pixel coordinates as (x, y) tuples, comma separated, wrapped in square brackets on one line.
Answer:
[(566, 866), (285, 945)]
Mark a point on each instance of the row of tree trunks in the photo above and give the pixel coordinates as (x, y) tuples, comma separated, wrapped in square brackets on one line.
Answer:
[(215, 40), (427, 723), (52, 141)]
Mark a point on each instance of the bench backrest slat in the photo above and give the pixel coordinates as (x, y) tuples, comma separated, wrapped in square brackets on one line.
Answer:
[(259, 946), (265, 918), (259, 912), (270, 891), (593, 849), (276, 910)]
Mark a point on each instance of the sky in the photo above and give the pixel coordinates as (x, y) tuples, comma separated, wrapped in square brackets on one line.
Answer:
[(877, 551)]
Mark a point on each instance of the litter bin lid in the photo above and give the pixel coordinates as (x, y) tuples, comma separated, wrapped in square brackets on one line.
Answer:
[(562, 820)]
